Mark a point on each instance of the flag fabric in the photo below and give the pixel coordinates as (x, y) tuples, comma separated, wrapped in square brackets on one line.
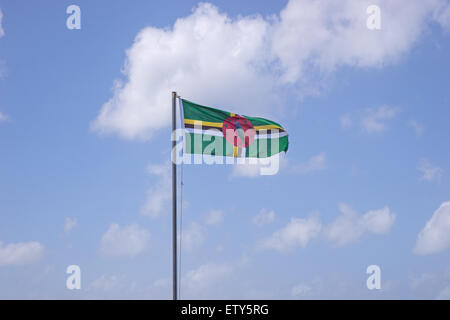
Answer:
[(216, 132)]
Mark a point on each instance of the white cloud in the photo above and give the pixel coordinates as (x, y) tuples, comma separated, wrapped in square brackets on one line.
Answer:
[(341, 285), (444, 294), (297, 233), (315, 163), (431, 285), (2, 32), (374, 120), (69, 224), (214, 217), (193, 237), (378, 221), (244, 62), (3, 117), (20, 253), (419, 281), (345, 229), (435, 236), (205, 55), (160, 194), (264, 217), (213, 280), (205, 274), (269, 166), (429, 171), (246, 170), (106, 283), (345, 121), (327, 34), (196, 281), (300, 290), (2, 71), (442, 15), (112, 287), (418, 127), (162, 283), (350, 226), (128, 240)]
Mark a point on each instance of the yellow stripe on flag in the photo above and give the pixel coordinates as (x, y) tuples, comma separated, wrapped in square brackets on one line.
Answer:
[(267, 126), (201, 123)]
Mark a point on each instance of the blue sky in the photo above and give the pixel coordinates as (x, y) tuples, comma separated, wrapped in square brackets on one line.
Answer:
[(85, 149)]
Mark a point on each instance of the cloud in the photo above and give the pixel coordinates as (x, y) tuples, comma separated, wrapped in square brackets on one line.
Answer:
[(193, 237), (429, 172), (206, 274), (106, 283), (69, 224), (210, 280), (2, 32), (444, 294), (205, 55), (160, 194), (246, 62), (328, 34), (126, 241), (374, 120), (345, 121), (435, 236), (111, 287), (249, 170), (378, 221), (418, 127), (214, 217), (162, 283), (442, 15), (20, 253), (339, 285), (430, 285), (246, 170), (300, 290), (350, 226), (2, 71), (297, 233), (198, 282), (253, 168), (315, 163), (345, 229), (263, 217), (3, 117), (422, 280)]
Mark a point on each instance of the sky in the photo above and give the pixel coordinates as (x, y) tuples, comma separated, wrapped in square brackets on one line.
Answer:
[(85, 149)]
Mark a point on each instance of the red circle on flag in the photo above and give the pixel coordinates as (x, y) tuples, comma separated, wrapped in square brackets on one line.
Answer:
[(238, 131)]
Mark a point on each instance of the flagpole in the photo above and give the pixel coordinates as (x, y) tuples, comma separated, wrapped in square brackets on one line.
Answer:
[(174, 198)]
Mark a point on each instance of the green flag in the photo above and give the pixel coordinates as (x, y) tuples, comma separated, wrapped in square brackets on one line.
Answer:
[(221, 133)]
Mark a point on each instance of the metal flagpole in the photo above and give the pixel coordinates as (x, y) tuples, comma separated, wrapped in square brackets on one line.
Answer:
[(174, 198)]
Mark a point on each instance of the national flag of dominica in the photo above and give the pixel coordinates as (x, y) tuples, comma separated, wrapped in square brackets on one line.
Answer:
[(221, 133)]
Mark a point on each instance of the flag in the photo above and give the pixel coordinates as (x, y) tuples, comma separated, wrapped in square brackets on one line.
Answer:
[(216, 132)]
